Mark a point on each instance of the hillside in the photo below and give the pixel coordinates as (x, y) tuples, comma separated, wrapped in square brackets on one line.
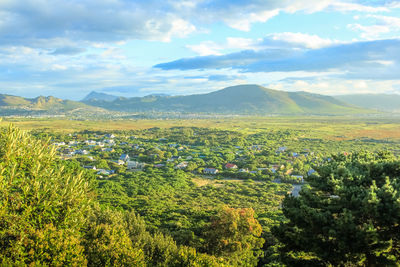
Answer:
[(15, 105), (241, 99), (381, 102), (96, 96)]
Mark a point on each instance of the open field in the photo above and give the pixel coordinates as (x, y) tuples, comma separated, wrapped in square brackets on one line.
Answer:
[(328, 128)]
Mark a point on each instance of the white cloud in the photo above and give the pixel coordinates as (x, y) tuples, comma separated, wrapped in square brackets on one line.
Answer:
[(305, 40), (206, 48), (243, 21), (275, 40), (392, 22), (369, 32), (338, 86), (382, 25), (231, 43), (348, 6), (241, 43)]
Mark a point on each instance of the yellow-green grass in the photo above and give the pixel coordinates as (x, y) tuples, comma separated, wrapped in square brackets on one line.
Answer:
[(333, 128)]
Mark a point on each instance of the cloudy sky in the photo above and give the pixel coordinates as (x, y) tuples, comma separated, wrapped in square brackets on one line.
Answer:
[(68, 48)]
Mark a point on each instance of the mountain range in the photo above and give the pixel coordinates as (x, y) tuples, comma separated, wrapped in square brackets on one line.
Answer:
[(16, 105), (242, 99)]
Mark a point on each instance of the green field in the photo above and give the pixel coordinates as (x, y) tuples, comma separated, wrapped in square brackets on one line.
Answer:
[(338, 128)]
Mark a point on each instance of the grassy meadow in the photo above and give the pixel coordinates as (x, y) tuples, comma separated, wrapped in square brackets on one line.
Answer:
[(328, 128)]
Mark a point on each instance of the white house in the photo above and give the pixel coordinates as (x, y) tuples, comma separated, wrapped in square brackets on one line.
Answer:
[(134, 165), (210, 171)]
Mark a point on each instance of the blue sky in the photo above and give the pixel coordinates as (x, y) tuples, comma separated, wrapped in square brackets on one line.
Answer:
[(67, 48)]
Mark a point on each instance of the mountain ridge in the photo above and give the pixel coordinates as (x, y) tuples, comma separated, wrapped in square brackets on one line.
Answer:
[(17, 105), (249, 99), (239, 99), (99, 96)]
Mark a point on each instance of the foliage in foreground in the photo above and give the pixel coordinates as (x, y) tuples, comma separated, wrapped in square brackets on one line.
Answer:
[(348, 215), (48, 217), (42, 204)]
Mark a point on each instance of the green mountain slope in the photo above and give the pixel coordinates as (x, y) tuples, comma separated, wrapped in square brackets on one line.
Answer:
[(382, 102), (241, 99), (15, 105)]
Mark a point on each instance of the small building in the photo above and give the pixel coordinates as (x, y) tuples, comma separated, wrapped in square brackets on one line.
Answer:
[(135, 165), (105, 172), (182, 165), (210, 170), (244, 170), (124, 157), (230, 166)]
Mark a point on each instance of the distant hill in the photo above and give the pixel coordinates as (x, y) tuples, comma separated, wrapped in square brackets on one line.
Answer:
[(15, 105), (381, 102), (241, 99), (96, 96)]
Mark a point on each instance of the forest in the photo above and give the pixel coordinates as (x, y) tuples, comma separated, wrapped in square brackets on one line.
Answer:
[(199, 196)]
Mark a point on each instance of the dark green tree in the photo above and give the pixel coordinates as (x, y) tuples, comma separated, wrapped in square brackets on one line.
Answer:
[(348, 215)]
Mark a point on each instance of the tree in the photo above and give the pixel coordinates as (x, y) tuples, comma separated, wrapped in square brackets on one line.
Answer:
[(42, 204), (349, 214), (235, 235), (107, 240)]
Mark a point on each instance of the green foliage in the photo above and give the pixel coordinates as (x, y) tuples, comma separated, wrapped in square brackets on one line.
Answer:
[(107, 241), (47, 217), (350, 213), (235, 235), (40, 203)]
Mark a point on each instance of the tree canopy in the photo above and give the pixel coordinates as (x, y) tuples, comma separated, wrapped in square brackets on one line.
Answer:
[(349, 214)]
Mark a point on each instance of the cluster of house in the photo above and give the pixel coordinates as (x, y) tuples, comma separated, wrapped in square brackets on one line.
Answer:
[(68, 150), (107, 144)]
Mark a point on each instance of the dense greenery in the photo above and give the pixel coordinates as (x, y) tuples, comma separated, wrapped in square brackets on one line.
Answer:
[(349, 214), (54, 212), (48, 216), (42, 204)]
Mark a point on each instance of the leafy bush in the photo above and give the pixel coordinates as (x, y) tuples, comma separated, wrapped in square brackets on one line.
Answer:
[(42, 204)]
